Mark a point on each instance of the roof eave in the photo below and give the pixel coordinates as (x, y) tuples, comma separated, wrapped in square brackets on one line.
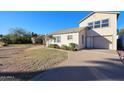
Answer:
[(118, 13), (86, 17), (68, 32)]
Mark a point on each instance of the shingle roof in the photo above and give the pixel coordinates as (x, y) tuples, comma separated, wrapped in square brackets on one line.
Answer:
[(71, 30)]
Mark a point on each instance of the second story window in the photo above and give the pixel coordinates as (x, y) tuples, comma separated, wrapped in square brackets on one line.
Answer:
[(105, 23), (69, 37), (90, 25), (57, 39), (97, 24)]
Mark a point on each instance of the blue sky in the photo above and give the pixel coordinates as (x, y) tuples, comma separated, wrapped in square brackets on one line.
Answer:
[(45, 21)]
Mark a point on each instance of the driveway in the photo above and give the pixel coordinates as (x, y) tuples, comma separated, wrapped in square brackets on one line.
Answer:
[(86, 65)]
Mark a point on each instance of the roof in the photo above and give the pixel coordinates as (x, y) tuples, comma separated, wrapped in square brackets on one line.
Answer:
[(98, 12), (66, 31)]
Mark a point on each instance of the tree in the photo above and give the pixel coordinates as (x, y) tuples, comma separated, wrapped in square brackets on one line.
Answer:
[(1, 35), (121, 31), (18, 36), (19, 32)]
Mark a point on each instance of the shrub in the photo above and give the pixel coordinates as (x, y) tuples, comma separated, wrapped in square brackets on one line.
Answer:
[(3, 44), (72, 46), (65, 47), (17, 39), (53, 46), (57, 46)]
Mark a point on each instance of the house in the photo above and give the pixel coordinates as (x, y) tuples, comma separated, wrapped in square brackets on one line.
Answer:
[(101, 35), (121, 41)]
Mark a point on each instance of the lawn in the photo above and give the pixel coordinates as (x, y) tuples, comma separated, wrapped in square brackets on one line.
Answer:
[(31, 62)]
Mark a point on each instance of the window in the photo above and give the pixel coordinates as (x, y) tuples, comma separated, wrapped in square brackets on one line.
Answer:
[(57, 39), (69, 37), (90, 25), (105, 23), (97, 24)]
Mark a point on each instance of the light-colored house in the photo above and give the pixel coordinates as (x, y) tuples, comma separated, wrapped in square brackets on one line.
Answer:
[(102, 34)]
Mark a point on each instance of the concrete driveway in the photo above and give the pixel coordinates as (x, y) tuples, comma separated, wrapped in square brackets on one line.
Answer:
[(86, 65)]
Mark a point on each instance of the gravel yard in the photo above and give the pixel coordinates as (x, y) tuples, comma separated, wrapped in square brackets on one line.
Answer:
[(23, 62)]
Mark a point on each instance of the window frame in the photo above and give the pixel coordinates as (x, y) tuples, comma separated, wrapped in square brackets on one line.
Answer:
[(57, 39), (106, 24), (97, 24), (68, 37), (91, 26)]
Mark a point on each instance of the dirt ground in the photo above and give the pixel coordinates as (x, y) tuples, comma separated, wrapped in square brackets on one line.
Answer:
[(12, 69), (24, 62), (8, 57)]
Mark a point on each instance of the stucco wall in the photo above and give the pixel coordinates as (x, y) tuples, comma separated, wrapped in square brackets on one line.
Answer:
[(111, 30), (81, 41), (65, 41)]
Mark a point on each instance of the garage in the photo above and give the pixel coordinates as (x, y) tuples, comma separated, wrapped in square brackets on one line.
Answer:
[(102, 42), (99, 42)]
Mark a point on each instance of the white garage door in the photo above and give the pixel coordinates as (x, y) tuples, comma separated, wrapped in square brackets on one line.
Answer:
[(103, 42)]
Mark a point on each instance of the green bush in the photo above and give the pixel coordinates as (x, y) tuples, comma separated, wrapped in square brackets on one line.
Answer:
[(53, 46), (11, 39), (72, 46), (65, 47)]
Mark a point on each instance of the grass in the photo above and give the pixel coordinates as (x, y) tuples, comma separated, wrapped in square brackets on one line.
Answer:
[(33, 61)]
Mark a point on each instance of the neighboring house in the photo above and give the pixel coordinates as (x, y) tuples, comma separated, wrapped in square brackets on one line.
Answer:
[(102, 35), (121, 41)]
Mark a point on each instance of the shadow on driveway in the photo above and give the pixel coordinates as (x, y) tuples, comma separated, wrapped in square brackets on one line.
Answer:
[(100, 70)]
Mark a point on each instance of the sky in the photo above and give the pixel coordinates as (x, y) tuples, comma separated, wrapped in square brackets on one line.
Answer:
[(44, 22)]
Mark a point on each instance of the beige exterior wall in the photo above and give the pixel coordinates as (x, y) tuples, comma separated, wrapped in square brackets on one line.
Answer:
[(81, 39), (65, 41), (105, 31)]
